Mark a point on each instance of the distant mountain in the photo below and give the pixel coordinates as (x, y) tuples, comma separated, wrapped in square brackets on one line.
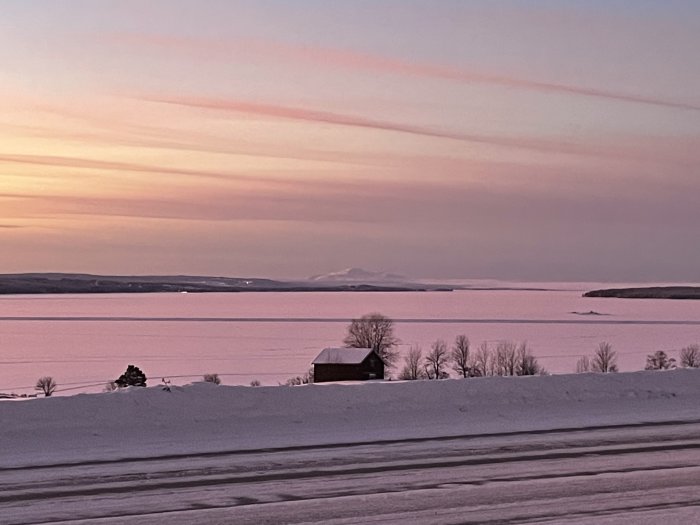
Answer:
[(359, 275), (357, 278)]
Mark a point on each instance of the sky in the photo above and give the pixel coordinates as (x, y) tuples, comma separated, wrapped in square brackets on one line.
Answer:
[(539, 140)]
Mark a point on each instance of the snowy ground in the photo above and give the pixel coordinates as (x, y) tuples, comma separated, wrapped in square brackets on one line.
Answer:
[(619, 448)]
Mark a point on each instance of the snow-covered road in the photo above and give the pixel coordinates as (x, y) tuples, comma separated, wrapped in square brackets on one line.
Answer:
[(637, 473)]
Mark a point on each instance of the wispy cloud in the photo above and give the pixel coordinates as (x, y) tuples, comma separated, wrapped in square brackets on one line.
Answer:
[(93, 164), (383, 64), (597, 200), (112, 133), (327, 117), (227, 206), (377, 63), (342, 119)]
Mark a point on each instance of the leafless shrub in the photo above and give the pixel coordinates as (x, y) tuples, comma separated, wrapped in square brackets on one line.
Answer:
[(305, 379), (412, 369), (527, 364), (255, 382), (46, 385), (505, 359), (212, 378), (690, 356), (659, 361), (583, 365), (436, 360), (605, 359), (461, 360)]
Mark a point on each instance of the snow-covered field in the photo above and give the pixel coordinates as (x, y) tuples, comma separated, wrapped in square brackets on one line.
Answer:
[(417, 452)]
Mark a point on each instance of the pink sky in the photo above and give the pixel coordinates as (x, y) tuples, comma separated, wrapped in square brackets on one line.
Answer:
[(539, 140)]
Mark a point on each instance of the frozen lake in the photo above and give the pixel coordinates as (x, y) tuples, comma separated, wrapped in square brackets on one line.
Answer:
[(85, 340)]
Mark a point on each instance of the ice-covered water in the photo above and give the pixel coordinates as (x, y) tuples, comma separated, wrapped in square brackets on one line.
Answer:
[(271, 336)]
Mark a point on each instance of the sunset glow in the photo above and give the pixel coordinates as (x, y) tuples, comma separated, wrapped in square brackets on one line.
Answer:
[(539, 140)]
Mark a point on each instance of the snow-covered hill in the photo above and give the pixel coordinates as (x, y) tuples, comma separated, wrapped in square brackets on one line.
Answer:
[(358, 275)]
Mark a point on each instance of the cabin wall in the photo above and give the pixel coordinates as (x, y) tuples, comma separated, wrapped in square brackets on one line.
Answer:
[(337, 372)]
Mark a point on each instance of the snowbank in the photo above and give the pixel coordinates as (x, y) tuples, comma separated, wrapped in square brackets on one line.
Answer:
[(146, 422)]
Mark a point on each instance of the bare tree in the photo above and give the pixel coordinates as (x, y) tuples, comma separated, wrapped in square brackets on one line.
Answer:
[(583, 365), (374, 331), (255, 382), (690, 356), (605, 359), (412, 369), (483, 361), (436, 360), (659, 361), (46, 385), (527, 364), (461, 361), (505, 359), (212, 378), (305, 379)]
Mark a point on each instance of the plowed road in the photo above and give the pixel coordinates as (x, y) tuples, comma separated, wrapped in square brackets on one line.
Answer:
[(630, 474)]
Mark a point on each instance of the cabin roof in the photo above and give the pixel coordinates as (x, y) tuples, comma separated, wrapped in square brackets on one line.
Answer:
[(342, 356)]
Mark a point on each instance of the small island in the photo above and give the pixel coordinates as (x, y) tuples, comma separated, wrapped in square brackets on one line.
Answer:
[(653, 292)]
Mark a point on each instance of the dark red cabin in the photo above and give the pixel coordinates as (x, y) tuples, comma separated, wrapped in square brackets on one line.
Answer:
[(347, 364)]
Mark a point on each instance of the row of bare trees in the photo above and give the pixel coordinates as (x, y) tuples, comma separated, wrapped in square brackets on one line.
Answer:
[(506, 358), (689, 358), (604, 360)]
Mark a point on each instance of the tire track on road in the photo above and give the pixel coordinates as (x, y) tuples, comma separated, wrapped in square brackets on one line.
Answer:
[(364, 470), (330, 446)]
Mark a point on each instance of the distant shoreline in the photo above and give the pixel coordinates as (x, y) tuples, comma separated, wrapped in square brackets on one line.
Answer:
[(652, 292), (44, 284)]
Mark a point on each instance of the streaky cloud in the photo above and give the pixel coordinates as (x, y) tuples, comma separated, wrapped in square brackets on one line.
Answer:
[(92, 164), (111, 132), (383, 64), (342, 119), (199, 206), (386, 64), (599, 200), (166, 139)]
